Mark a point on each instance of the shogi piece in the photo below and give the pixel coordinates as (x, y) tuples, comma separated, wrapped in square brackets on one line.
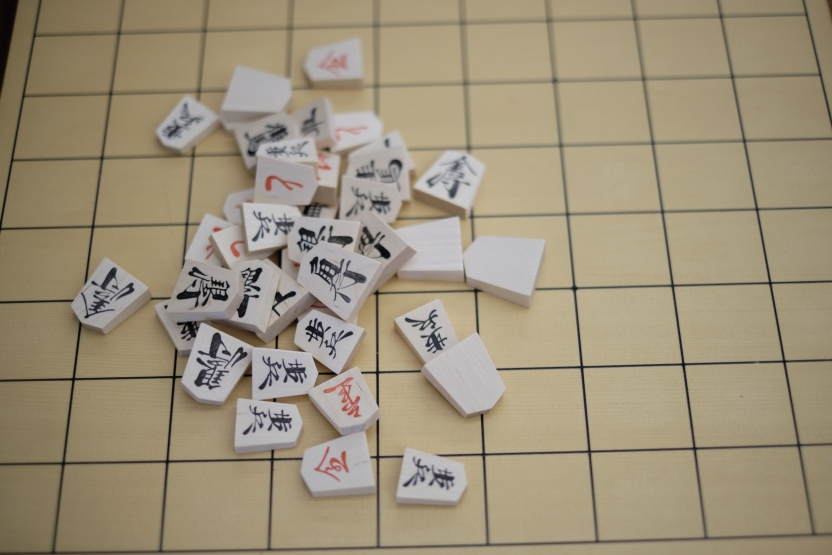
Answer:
[(340, 279), (252, 95), (317, 305), (438, 247), (331, 341), (315, 121), (346, 402), (263, 426), (216, 364), (427, 331), (507, 267), (280, 182), (388, 165), (466, 377), (109, 297), (339, 467), (451, 183), (354, 130), (297, 151), (205, 292), (316, 210), (187, 126), (268, 226), (276, 373), (391, 140), (201, 249), (234, 202), (259, 286), (383, 244), (230, 246), (329, 171), (182, 335), (287, 265), (309, 232), (362, 196), (427, 479), (271, 129), (336, 66), (290, 301)]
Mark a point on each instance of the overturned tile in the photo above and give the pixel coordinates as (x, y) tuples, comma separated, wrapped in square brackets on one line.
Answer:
[(201, 249), (466, 377), (267, 226), (280, 182), (451, 183), (336, 66), (507, 267), (186, 126), (182, 335), (234, 202), (346, 402), (386, 165), (309, 232), (362, 196), (259, 286), (355, 129), (315, 121), (230, 246), (271, 129), (290, 301)]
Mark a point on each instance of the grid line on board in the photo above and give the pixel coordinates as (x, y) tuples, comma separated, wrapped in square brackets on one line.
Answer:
[(768, 269), (378, 296), (574, 288)]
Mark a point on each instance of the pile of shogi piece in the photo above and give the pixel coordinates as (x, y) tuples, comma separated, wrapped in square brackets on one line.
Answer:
[(309, 166)]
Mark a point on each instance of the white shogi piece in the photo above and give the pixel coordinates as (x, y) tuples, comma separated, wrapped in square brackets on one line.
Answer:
[(362, 196), (383, 244), (315, 122), (263, 426), (354, 130), (290, 301), (507, 267), (234, 202), (297, 151), (109, 297), (316, 210), (215, 365), (330, 340), (466, 377), (392, 139), (387, 165), (346, 402), (427, 330), (438, 247), (187, 126), (271, 129), (201, 249), (267, 226), (427, 479), (341, 466), (182, 335), (318, 305), (287, 265), (340, 279), (309, 232), (336, 66), (278, 373), (259, 287), (205, 292), (252, 95), (451, 183), (329, 172), (230, 246), (280, 182)]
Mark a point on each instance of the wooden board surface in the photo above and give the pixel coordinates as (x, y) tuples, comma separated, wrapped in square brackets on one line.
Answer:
[(669, 390)]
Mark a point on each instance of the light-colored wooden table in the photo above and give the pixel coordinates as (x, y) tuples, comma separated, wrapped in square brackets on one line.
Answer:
[(670, 389)]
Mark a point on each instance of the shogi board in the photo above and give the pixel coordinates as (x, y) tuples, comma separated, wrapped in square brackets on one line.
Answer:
[(653, 404)]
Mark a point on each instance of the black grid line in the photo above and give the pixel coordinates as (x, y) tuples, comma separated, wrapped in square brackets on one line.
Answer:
[(817, 59), (87, 272), (574, 288), (768, 269), (377, 108), (640, 50), (558, 112)]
